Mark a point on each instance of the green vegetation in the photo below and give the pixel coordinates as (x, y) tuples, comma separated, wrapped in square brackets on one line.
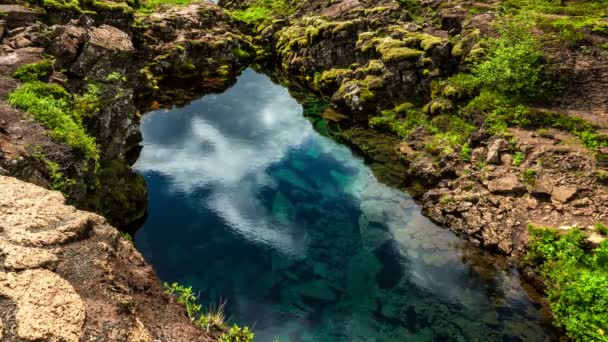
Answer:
[(55, 108), (518, 158), (576, 280), (262, 12), (601, 228), (34, 72), (513, 66), (528, 176), (147, 6), (126, 236), (214, 319)]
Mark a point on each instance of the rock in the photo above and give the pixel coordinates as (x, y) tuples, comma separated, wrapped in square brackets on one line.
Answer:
[(494, 150), (508, 184), (66, 42), (86, 281), (602, 156), (2, 28), (596, 239), (17, 15), (20, 42), (48, 308), (107, 50), (563, 193), (19, 258), (542, 187), (506, 159)]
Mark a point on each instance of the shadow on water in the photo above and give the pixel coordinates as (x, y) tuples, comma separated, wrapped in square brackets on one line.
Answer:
[(248, 202)]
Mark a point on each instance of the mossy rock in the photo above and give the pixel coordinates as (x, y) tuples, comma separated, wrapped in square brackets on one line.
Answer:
[(122, 194)]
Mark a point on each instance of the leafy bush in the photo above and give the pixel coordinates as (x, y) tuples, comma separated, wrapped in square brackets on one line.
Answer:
[(513, 66), (576, 281), (53, 107), (35, 71)]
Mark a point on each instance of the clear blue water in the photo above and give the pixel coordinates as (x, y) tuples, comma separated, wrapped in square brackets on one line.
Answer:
[(247, 203)]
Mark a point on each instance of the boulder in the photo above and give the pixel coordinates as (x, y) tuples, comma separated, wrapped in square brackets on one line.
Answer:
[(18, 15), (66, 42), (106, 48), (494, 150), (563, 193), (506, 185)]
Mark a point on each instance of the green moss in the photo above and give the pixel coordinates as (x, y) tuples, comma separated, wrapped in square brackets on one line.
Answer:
[(438, 106), (575, 278), (147, 6), (62, 5), (328, 79), (428, 42), (39, 71), (392, 53), (52, 106)]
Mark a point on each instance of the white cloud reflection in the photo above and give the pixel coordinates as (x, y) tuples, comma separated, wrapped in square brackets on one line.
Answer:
[(226, 146)]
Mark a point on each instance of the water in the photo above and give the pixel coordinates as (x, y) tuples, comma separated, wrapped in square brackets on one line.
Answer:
[(249, 204)]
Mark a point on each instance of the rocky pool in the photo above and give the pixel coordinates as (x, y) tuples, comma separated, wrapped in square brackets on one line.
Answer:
[(248, 203)]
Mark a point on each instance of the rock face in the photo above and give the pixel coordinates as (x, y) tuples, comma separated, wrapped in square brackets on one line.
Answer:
[(69, 276), (493, 206), (106, 50), (189, 50)]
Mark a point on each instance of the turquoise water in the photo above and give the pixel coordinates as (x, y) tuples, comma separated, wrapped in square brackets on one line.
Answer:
[(249, 204)]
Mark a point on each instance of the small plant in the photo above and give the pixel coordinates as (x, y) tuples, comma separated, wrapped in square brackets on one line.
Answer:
[(237, 334), (213, 318), (186, 297), (601, 228), (126, 236), (518, 158), (114, 76), (528, 176), (465, 152)]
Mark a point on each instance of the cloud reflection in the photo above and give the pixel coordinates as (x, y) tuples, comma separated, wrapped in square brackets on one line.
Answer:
[(227, 147)]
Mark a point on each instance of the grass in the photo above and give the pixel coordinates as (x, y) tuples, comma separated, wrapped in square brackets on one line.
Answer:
[(576, 281), (53, 107), (262, 12), (212, 319), (148, 6)]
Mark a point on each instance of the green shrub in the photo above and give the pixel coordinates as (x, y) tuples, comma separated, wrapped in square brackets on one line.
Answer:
[(576, 281), (34, 72), (513, 66), (53, 107)]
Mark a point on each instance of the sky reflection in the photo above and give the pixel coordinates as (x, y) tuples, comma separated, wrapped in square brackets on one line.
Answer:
[(249, 203)]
